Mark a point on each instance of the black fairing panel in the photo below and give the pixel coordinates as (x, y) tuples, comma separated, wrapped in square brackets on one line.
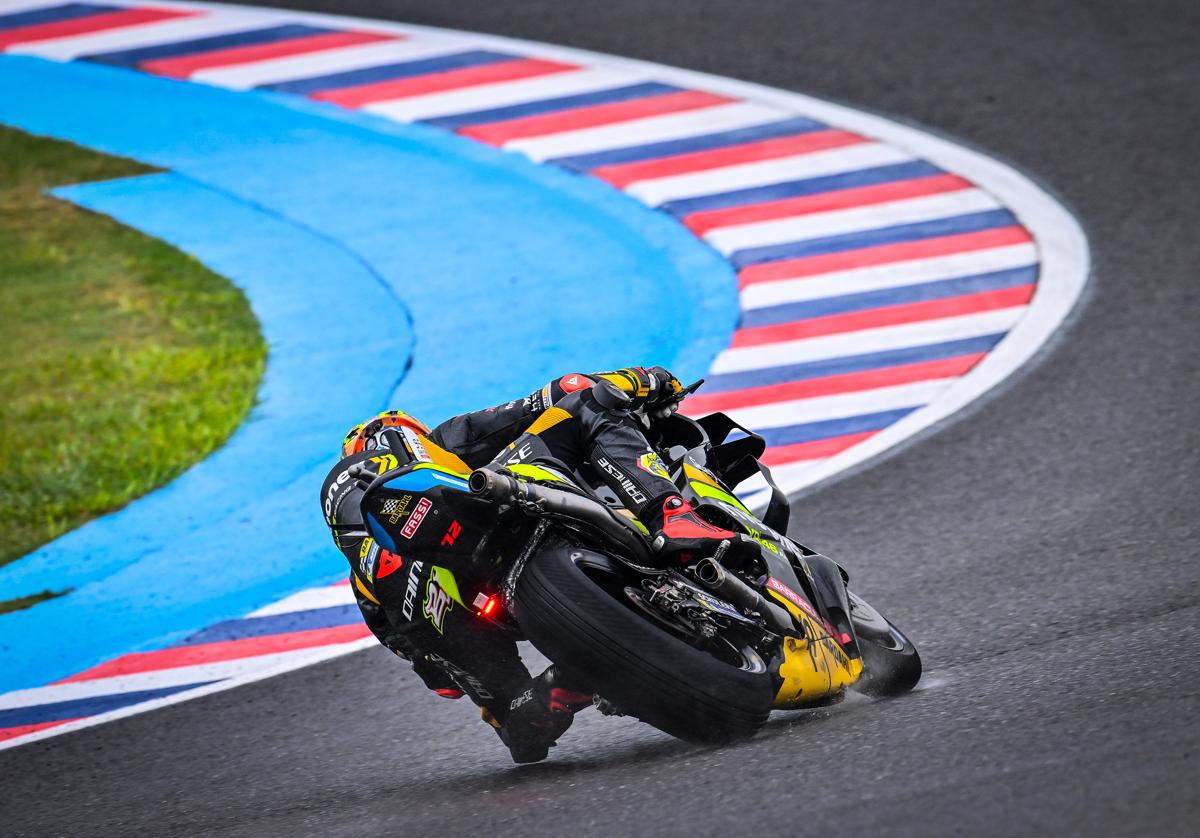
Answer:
[(829, 591), (440, 522)]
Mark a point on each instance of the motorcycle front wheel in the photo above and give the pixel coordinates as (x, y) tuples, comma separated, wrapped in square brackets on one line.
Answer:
[(579, 609), (891, 665)]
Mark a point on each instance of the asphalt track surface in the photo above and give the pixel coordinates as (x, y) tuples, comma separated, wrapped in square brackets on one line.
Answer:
[(1040, 548)]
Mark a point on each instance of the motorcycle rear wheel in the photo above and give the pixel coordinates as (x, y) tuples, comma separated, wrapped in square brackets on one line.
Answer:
[(570, 606)]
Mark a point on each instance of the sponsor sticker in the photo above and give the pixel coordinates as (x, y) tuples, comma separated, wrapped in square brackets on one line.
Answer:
[(366, 558), (452, 534), (792, 597), (523, 453), (626, 484), (573, 382), (800, 602), (389, 563), (415, 445), (333, 497), (384, 462), (417, 516), (410, 593), (714, 604), (396, 508), (650, 462), (437, 603)]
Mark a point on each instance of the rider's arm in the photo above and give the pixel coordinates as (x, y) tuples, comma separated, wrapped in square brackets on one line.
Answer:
[(643, 385), (376, 619), (391, 638), (479, 436)]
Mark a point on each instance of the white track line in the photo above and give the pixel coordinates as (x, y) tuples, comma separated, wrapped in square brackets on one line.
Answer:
[(144, 35), (675, 126), (326, 62), (320, 653), (851, 220), (883, 277), (12, 7), (814, 164), (867, 340), (157, 679), (842, 405), (502, 94), (323, 597)]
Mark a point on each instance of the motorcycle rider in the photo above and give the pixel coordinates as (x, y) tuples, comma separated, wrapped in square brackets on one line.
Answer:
[(598, 418)]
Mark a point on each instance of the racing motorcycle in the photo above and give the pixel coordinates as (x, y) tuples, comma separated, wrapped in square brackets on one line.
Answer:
[(704, 651)]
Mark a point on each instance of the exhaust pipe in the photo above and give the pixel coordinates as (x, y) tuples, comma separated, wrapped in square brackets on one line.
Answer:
[(488, 484), (501, 488), (717, 579)]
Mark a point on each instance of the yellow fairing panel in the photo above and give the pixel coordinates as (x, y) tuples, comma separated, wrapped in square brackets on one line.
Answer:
[(706, 486), (814, 666), (444, 458)]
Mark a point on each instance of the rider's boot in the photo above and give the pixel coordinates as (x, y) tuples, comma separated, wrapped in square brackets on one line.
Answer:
[(683, 536), (540, 714)]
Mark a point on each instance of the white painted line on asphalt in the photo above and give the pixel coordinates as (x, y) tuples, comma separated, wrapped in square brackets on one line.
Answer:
[(814, 164), (155, 679), (502, 94), (883, 277), (319, 654), (853, 220), (653, 129), (922, 333), (840, 406), (323, 597), (328, 62), (144, 35)]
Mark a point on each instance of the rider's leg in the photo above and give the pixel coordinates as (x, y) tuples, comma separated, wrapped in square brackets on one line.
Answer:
[(580, 427), (455, 652)]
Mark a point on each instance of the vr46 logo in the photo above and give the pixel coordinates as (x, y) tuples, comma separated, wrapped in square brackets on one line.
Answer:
[(437, 603)]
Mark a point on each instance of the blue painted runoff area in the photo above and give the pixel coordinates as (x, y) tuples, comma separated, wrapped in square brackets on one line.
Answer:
[(389, 266)]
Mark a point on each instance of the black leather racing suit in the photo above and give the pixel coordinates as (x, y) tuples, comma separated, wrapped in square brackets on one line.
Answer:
[(557, 426)]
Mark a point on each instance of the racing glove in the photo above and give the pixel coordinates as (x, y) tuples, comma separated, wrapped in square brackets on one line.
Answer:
[(654, 389)]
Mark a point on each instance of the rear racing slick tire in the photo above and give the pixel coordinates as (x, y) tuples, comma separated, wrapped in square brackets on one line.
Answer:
[(570, 605)]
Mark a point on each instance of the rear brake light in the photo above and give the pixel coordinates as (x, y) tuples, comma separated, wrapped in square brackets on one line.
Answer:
[(487, 606)]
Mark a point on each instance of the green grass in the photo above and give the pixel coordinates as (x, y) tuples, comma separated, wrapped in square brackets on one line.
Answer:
[(122, 360)]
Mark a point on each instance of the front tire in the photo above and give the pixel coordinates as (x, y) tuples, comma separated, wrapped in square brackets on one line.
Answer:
[(891, 665), (568, 605)]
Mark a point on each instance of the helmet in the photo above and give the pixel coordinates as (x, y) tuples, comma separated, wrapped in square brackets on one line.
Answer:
[(372, 434)]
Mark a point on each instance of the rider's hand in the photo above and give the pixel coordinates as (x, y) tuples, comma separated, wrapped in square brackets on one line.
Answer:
[(664, 393), (655, 391)]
